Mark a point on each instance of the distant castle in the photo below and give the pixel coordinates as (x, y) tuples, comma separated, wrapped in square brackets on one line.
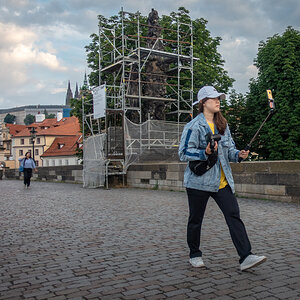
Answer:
[(69, 94)]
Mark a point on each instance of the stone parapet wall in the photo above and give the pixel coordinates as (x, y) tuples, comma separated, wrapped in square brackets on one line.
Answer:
[(273, 180), (72, 174), (163, 176)]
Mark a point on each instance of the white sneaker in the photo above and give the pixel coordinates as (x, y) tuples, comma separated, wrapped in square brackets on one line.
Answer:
[(252, 261), (197, 262)]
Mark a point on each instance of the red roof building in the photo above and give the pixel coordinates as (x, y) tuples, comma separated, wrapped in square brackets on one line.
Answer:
[(63, 151), (64, 127), (14, 128), (7, 131), (46, 133)]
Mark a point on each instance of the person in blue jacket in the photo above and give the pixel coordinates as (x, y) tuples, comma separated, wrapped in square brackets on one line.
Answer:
[(217, 182), (28, 164)]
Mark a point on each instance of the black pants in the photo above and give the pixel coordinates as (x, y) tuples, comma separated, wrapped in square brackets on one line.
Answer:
[(27, 176), (229, 206)]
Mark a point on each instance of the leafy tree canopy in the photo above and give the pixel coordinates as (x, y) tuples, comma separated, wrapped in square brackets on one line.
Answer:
[(49, 116), (10, 119), (86, 98), (29, 119), (209, 70), (278, 63), (232, 109)]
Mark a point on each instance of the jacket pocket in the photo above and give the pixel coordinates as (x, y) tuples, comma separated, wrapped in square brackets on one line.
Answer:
[(224, 146), (225, 142)]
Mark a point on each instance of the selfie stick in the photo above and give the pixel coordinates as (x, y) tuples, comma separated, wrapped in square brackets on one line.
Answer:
[(272, 109)]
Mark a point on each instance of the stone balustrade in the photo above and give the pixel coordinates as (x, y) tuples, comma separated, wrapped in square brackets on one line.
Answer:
[(272, 180), (72, 174)]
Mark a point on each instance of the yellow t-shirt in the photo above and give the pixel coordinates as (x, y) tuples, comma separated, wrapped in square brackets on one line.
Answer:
[(223, 180)]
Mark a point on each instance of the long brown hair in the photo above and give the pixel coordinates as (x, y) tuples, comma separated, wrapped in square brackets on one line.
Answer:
[(29, 155), (219, 119)]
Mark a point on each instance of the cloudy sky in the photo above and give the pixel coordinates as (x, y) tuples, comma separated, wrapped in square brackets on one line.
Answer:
[(42, 41)]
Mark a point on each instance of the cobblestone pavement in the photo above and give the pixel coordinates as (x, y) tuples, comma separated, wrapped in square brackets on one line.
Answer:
[(60, 241)]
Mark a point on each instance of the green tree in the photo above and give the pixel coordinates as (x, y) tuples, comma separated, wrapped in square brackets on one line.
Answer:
[(10, 119), (49, 116), (85, 101), (29, 119), (233, 109), (86, 98), (278, 63), (209, 70)]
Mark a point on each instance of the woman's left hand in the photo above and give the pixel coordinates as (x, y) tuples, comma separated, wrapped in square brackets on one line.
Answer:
[(243, 154)]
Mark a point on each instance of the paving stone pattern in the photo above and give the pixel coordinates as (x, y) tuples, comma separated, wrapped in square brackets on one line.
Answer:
[(60, 241)]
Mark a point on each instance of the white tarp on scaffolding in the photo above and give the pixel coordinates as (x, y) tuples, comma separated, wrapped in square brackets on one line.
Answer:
[(99, 101), (153, 140), (94, 161)]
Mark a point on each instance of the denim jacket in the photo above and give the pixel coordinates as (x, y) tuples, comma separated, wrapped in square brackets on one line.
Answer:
[(27, 163), (192, 147)]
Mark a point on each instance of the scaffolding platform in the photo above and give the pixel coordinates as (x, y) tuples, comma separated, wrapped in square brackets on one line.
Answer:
[(151, 98)]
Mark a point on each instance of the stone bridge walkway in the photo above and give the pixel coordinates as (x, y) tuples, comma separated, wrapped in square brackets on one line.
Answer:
[(60, 241)]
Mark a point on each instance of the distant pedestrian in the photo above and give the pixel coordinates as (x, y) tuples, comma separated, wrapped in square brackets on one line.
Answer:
[(215, 179), (28, 164)]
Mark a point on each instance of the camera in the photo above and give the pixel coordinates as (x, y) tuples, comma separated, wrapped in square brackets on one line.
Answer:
[(212, 138), (199, 167)]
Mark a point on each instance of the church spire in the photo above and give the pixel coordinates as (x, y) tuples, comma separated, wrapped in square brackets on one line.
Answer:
[(85, 82), (69, 95), (76, 95)]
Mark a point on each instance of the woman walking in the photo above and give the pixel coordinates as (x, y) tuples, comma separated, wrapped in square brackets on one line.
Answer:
[(28, 164), (217, 181)]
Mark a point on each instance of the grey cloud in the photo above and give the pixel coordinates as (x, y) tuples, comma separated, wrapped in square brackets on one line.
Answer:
[(39, 88), (49, 13), (238, 18), (255, 19), (281, 13)]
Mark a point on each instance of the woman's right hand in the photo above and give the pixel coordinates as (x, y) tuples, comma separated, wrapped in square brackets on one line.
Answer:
[(208, 150)]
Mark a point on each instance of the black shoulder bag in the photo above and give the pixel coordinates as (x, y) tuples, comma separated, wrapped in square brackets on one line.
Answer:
[(199, 167)]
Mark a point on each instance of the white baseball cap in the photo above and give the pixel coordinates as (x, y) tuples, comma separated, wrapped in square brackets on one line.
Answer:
[(208, 92)]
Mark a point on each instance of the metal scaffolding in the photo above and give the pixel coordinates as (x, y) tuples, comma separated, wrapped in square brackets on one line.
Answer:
[(124, 55), (155, 104)]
